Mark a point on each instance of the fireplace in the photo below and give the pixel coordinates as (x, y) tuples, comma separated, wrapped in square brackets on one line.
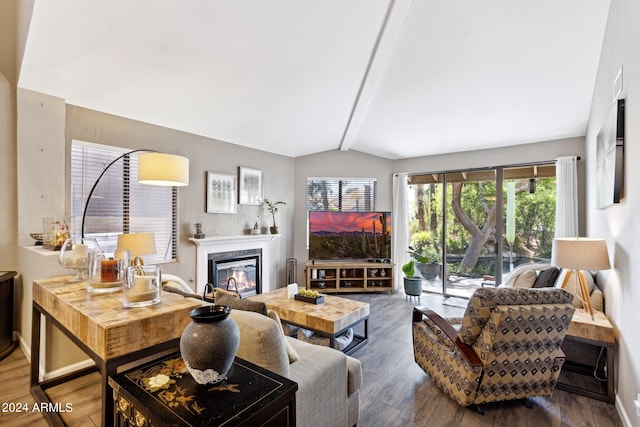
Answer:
[(236, 271), (236, 245)]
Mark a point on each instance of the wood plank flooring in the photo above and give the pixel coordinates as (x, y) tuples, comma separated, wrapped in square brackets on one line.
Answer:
[(395, 391)]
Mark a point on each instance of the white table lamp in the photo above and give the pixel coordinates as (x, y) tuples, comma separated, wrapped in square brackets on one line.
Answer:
[(578, 254)]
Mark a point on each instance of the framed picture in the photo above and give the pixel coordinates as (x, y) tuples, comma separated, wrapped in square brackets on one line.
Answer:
[(250, 186), (610, 158), (221, 193)]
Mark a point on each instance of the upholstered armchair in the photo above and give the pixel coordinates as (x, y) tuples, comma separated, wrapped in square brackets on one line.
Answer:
[(507, 345)]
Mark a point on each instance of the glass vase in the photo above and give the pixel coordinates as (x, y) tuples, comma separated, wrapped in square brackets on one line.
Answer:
[(142, 286)]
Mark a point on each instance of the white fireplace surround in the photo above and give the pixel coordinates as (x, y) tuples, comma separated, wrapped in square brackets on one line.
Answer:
[(217, 244)]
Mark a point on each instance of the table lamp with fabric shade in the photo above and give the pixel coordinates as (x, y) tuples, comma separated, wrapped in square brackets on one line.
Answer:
[(579, 254), (138, 245)]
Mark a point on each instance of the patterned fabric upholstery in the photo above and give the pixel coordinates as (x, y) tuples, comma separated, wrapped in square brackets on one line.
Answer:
[(513, 334)]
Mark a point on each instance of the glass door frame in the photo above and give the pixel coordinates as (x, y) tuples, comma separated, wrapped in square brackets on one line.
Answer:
[(499, 227)]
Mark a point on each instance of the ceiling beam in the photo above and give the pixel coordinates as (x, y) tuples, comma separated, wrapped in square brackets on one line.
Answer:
[(391, 27)]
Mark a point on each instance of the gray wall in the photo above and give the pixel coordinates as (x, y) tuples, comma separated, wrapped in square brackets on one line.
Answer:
[(619, 223), (338, 164), (46, 126)]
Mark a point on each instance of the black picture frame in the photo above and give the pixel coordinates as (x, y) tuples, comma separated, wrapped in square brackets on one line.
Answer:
[(610, 158)]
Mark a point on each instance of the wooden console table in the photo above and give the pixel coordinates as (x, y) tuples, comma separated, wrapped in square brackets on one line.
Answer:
[(590, 347), (349, 276), (109, 333)]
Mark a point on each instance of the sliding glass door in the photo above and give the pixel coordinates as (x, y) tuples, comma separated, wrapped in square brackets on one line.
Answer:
[(475, 226), (470, 239)]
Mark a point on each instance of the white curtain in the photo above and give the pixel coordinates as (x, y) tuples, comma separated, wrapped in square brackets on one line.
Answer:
[(400, 226), (567, 197)]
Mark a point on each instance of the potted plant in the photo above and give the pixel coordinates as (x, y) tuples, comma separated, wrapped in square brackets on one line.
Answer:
[(273, 208), (413, 283), (423, 244)]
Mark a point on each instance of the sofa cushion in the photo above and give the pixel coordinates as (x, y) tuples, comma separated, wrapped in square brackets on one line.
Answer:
[(222, 297), (261, 341), (547, 278), (291, 352), (525, 280)]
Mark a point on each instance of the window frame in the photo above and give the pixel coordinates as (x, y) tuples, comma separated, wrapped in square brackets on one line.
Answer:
[(146, 199)]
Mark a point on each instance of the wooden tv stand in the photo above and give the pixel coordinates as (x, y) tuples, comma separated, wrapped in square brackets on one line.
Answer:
[(349, 276)]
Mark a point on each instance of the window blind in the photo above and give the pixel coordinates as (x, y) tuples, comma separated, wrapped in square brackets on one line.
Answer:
[(341, 194), (119, 203)]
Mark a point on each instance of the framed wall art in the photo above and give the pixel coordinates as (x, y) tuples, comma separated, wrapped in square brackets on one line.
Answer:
[(221, 193), (250, 186), (610, 158)]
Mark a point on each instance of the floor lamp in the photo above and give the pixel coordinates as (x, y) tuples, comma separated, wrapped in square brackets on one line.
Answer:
[(154, 168), (578, 254)]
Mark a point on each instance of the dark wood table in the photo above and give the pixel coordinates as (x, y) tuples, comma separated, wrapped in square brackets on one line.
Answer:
[(590, 348), (106, 331), (7, 343), (163, 393)]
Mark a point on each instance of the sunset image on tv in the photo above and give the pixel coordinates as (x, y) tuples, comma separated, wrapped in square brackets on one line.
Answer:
[(349, 235)]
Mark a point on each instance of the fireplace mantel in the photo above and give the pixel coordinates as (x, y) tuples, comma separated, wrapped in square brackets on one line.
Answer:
[(216, 244)]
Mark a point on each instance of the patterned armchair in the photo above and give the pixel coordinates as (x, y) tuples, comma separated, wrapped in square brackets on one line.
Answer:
[(507, 346)]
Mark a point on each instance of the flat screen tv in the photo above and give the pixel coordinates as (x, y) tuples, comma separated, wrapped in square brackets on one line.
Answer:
[(349, 235)]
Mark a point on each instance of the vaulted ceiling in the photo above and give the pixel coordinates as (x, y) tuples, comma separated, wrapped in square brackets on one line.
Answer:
[(396, 79)]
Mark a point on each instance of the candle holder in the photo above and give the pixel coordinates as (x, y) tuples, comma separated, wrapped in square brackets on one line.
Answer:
[(142, 286), (106, 274), (74, 255)]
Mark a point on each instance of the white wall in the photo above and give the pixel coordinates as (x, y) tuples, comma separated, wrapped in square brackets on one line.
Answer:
[(619, 223)]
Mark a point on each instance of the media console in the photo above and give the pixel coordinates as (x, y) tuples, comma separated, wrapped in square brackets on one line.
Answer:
[(349, 276)]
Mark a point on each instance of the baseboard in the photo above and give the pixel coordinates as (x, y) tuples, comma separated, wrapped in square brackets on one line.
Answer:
[(26, 349), (623, 414)]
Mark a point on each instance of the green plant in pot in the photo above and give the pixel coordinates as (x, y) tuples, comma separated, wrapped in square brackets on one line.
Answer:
[(424, 244), (413, 283), (272, 207)]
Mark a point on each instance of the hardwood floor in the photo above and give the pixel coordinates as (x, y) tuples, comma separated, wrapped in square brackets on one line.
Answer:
[(395, 391)]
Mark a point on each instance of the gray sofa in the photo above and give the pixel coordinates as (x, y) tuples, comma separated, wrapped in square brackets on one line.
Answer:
[(328, 380)]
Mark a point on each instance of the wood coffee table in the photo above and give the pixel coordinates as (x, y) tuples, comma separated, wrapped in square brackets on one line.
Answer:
[(329, 319)]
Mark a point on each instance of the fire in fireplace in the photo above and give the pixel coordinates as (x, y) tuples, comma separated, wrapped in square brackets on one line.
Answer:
[(236, 271)]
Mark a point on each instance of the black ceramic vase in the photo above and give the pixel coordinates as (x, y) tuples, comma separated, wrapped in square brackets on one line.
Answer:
[(209, 343)]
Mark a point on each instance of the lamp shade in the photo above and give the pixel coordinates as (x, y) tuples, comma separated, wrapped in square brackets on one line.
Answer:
[(580, 253), (163, 169), (138, 244)]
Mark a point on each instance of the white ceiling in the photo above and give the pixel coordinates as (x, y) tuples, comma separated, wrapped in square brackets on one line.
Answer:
[(396, 79)]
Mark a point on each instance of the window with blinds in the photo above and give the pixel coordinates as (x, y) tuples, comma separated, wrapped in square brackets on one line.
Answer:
[(120, 204), (341, 194)]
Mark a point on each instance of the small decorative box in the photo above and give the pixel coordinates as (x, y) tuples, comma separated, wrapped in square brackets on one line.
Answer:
[(302, 298)]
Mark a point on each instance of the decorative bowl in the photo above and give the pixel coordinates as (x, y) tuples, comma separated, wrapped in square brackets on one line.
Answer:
[(37, 237)]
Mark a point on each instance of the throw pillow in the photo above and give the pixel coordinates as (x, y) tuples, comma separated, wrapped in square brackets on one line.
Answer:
[(526, 279), (224, 298), (547, 278), (292, 354)]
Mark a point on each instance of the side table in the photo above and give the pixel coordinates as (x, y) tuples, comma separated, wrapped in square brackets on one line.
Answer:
[(590, 347), (107, 332), (163, 393)]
